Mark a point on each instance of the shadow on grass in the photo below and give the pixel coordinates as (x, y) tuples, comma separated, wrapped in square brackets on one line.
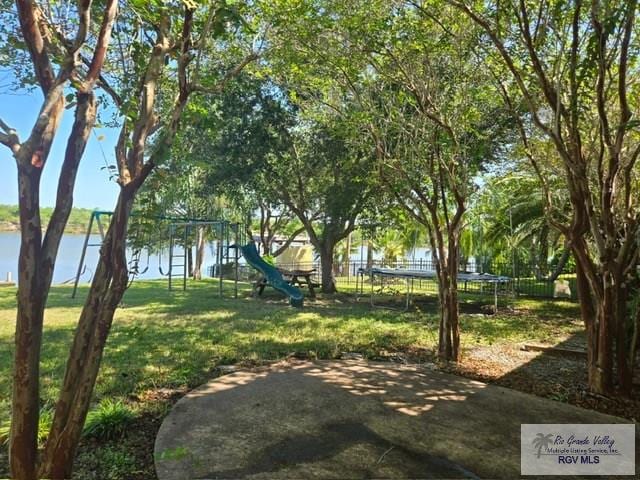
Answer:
[(162, 339), (176, 339)]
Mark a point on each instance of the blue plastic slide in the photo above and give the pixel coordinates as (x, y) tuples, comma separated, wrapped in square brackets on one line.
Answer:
[(272, 275)]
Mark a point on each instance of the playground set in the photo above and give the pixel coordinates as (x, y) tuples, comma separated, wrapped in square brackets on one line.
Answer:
[(178, 235)]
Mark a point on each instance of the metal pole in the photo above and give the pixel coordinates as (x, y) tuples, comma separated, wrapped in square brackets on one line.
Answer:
[(82, 255), (235, 254), (227, 255), (408, 296), (171, 232), (371, 281), (219, 256), (100, 228), (186, 257), (348, 255)]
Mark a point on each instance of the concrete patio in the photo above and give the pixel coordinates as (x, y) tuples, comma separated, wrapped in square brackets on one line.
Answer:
[(351, 419)]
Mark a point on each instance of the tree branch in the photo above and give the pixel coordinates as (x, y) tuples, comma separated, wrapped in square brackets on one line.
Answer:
[(230, 75), (28, 15), (9, 138), (104, 38), (289, 240)]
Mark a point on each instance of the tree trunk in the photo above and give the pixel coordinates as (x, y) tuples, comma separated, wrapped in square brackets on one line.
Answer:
[(200, 252), (28, 338), (188, 250), (36, 262), (562, 261), (588, 314), (369, 254), (328, 284), (449, 338), (107, 288), (624, 361), (447, 269), (604, 314)]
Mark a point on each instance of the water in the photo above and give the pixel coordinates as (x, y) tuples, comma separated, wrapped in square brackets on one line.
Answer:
[(71, 248), (68, 258), (360, 254)]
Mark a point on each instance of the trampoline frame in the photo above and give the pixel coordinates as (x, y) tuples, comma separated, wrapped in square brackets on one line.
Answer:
[(411, 275)]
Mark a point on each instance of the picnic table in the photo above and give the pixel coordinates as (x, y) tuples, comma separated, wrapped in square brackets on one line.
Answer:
[(300, 278)]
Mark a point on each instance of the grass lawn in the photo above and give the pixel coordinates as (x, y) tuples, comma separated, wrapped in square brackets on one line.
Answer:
[(162, 344)]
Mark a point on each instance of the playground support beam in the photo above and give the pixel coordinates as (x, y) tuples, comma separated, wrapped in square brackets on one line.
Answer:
[(223, 228), (95, 215)]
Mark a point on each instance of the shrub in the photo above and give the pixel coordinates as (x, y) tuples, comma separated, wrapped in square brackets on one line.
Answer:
[(109, 420), (44, 427)]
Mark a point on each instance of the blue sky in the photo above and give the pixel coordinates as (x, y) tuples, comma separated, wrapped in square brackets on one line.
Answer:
[(93, 187)]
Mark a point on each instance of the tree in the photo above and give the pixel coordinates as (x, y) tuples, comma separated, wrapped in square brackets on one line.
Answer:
[(38, 253), (290, 163), (425, 105), (229, 163), (443, 124), (571, 64), (512, 225), (331, 188), (431, 115), (154, 32)]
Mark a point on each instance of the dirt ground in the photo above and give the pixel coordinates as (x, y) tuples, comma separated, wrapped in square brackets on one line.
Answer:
[(550, 375)]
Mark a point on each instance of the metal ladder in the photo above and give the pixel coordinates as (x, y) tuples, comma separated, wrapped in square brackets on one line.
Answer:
[(178, 267), (95, 216)]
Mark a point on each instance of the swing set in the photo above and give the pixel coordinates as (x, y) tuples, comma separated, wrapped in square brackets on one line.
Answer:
[(182, 235)]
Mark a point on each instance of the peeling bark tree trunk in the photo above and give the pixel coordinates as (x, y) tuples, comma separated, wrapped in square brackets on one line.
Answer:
[(35, 267), (449, 333), (603, 298), (38, 255), (28, 337), (446, 258), (451, 349), (107, 288)]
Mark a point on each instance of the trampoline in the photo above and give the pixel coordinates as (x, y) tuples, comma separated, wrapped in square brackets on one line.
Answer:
[(410, 275)]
